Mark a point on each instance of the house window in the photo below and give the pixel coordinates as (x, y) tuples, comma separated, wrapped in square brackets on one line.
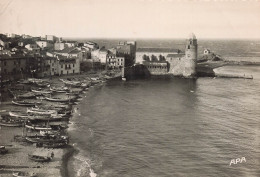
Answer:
[(14, 62), (61, 72), (5, 63), (61, 66), (73, 71), (73, 65)]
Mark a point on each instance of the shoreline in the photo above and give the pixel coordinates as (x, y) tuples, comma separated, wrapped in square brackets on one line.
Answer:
[(67, 154), (17, 159)]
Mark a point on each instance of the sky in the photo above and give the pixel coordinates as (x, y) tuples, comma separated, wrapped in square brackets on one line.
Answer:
[(237, 19)]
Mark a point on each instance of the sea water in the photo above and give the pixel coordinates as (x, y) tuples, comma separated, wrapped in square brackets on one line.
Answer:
[(169, 127)]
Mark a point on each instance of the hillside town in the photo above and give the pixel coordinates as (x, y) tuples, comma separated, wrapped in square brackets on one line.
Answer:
[(23, 56)]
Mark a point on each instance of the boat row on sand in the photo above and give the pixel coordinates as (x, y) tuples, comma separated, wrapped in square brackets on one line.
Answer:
[(45, 119)]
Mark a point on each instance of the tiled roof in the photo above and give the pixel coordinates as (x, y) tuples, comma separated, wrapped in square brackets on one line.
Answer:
[(103, 49), (158, 50), (74, 51), (65, 50), (157, 63), (14, 56), (172, 55)]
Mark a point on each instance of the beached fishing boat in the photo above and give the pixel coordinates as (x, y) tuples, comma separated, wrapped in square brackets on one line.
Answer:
[(71, 83), (24, 103), (47, 139), (60, 90), (51, 145), (38, 158), (10, 123), (93, 82), (49, 132), (33, 80), (3, 150), (41, 111), (26, 95), (41, 91), (18, 115), (37, 127), (59, 99), (24, 174)]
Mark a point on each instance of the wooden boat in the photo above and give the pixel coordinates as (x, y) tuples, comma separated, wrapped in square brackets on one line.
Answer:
[(48, 132), (38, 158), (54, 145), (51, 145), (18, 115), (93, 82), (10, 123), (60, 90), (24, 103), (71, 83), (59, 99), (34, 117), (26, 95), (41, 91), (47, 139), (34, 80), (94, 78), (3, 150), (41, 111), (24, 174), (37, 127)]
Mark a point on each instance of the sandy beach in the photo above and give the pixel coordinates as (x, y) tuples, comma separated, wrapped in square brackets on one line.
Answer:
[(16, 160)]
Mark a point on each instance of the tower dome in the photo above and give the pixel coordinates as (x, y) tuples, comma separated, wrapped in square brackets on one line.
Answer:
[(192, 36)]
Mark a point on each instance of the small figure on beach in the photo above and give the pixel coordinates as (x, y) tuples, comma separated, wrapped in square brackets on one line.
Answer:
[(52, 154)]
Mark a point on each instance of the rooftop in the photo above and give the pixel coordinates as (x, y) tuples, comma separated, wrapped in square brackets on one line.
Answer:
[(158, 50), (172, 55)]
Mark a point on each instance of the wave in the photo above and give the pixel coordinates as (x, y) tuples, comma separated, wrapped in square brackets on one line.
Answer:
[(83, 165)]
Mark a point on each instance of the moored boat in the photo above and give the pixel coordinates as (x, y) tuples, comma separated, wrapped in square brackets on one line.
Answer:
[(26, 95), (47, 139), (41, 111), (71, 83), (41, 91), (24, 174), (10, 123), (18, 115), (59, 99), (23, 103), (38, 158), (37, 127), (59, 90), (52, 145), (3, 150)]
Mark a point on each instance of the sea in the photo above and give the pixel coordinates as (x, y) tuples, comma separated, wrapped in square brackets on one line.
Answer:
[(172, 127)]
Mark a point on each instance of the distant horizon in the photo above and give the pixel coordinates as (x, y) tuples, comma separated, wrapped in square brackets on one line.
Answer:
[(133, 38), (134, 19)]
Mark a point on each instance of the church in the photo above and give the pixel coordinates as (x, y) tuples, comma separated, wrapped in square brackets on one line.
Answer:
[(167, 61)]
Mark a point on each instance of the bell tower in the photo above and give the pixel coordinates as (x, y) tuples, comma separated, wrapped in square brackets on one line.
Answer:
[(191, 54)]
